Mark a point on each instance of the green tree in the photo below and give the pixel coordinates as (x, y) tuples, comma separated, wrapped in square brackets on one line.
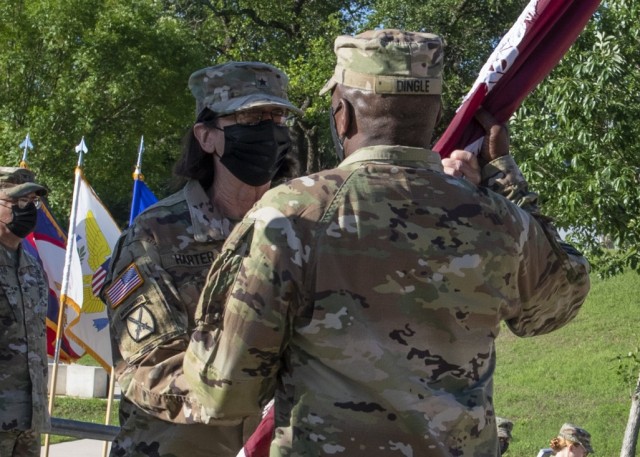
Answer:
[(110, 71), (576, 139)]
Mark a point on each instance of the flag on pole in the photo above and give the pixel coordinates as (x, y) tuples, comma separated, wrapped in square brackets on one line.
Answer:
[(543, 33), (47, 243), (142, 195), (142, 198), (92, 236)]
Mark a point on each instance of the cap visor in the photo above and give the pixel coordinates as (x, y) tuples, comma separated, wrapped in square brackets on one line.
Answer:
[(252, 101), (25, 189)]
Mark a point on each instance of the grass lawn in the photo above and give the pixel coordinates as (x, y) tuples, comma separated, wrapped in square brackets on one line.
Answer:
[(567, 376), (571, 375)]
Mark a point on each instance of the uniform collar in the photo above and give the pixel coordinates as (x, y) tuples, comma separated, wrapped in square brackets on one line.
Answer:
[(207, 221), (395, 154)]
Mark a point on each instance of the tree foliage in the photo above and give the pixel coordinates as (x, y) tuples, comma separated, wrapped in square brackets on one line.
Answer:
[(576, 139), (114, 70)]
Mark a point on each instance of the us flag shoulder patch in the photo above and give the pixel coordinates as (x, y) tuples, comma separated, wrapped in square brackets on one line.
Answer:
[(124, 285)]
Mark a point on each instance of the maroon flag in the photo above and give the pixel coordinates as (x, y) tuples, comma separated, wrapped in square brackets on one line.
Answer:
[(525, 56)]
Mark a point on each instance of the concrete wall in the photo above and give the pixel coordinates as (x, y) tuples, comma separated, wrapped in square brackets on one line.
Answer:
[(80, 381)]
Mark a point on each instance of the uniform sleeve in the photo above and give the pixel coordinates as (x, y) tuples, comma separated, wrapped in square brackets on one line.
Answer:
[(553, 277), (242, 322), (149, 330)]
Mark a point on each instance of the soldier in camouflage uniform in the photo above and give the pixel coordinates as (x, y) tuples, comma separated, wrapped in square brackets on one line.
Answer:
[(23, 308), (572, 441), (160, 263), (367, 298), (505, 426)]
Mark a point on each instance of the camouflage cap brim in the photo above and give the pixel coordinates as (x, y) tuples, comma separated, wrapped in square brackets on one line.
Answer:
[(20, 190), (251, 101)]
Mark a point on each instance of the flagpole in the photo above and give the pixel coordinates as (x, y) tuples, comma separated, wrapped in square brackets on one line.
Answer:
[(81, 149), (25, 145), (138, 171), (137, 175), (112, 383)]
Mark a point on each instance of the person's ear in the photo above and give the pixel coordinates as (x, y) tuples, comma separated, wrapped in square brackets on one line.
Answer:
[(205, 137), (343, 116)]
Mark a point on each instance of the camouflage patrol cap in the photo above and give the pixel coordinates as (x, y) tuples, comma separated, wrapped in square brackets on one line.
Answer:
[(16, 182), (575, 434), (389, 61), (235, 86), (505, 426)]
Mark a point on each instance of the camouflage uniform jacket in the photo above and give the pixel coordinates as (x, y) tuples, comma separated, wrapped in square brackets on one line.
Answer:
[(24, 296), (157, 272), (367, 299)]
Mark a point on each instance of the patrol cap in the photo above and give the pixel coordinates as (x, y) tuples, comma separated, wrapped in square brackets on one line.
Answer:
[(389, 61), (235, 86), (505, 426), (16, 182), (575, 434)]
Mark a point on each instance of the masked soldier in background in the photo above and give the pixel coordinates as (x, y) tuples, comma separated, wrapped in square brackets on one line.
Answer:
[(505, 426), (24, 294), (237, 146)]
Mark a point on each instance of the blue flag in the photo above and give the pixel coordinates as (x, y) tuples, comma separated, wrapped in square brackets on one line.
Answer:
[(142, 198)]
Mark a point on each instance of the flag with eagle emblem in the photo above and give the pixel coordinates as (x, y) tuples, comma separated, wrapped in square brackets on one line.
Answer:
[(92, 238)]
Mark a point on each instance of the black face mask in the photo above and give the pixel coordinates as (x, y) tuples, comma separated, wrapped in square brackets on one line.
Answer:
[(24, 220), (254, 153), (337, 142), (504, 445)]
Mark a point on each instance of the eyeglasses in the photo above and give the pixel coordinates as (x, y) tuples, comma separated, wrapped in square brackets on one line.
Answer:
[(255, 116), (22, 202)]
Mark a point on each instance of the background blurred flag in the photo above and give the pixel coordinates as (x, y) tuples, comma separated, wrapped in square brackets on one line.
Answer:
[(543, 33), (142, 195), (92, 238), (48, 243)]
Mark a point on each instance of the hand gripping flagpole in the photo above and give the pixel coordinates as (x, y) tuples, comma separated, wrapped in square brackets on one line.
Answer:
[(81, 149)]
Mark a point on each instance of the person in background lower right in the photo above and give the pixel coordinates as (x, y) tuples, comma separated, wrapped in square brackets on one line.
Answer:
[(572, 441), (505, 426)]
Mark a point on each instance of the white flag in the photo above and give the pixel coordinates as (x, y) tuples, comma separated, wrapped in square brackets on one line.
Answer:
[(92, 236)]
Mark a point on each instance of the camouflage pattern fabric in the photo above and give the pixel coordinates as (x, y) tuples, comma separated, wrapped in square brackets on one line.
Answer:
[(236, 86), (575, 434), (23, 354), (156, 276), (389, 61), (367, 300), (20, 444)]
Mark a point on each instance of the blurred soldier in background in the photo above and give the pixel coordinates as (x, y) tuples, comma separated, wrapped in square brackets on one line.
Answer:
[(24, 295), (505, 426), (572, 441)]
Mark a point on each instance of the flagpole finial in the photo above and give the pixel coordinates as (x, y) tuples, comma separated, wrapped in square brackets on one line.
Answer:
[(138, 171), (81, 150), (25, 145)]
